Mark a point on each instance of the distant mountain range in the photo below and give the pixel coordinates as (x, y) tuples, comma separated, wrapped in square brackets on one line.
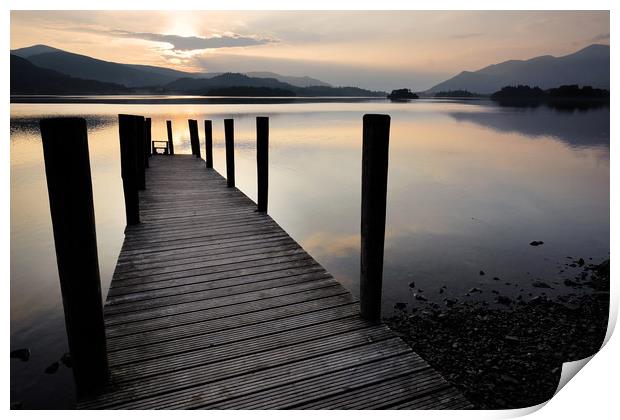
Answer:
[(42, 69), (130, 75), (215, 84), (28, 79), (587, 67)]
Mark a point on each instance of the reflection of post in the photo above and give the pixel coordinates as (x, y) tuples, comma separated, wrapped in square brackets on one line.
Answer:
[(229, 134), (209, 143), (262, 161), (194, 139), (67, 167), (170, 144), (139, 139), (375, 151), (129, 157)]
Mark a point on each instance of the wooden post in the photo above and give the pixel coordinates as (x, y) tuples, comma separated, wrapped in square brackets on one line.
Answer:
[(129, 156), (229, 134), (191, 137), (147, 140), (375, 151), (170, 144), (139, 139), (262, 161), (69, 186), (209, 143), (194, 139)]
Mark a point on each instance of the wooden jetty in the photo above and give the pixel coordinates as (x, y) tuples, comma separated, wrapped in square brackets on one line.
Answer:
[(214, 306)]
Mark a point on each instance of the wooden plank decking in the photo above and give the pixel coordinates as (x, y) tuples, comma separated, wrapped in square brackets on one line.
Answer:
[(213, 305)]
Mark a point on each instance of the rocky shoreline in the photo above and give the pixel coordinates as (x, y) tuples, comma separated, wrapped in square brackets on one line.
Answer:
[(510, 356)]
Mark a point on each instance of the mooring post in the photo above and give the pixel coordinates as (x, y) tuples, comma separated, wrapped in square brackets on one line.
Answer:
[(262, 161), (147, 141), (139, 122), (229, 134), (170, 143), (129, 155), (209, 143), (69, 186), (194, 139), (375, 151)]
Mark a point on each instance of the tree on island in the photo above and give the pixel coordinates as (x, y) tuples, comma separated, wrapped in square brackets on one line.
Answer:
[(456, 94), (563, 92), (402, 94), (566, 97), (575, 92), (518, 92)]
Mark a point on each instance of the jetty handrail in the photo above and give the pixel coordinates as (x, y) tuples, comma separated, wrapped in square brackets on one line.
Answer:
[(155, 147)]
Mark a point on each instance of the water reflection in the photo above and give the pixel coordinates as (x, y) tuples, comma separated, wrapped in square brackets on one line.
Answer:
[(577, 128), (470, 186)]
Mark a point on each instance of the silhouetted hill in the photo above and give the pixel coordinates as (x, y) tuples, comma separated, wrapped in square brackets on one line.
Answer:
[(196, 86), (250, 91), (589, 67), (28, 79), (168, 74), (303, 81), (199, 85), (85, 67), (146, 79), (338, 91), (131, 75), (33, 50)]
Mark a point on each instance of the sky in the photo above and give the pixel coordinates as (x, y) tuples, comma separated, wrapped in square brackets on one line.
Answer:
[(379, 50)]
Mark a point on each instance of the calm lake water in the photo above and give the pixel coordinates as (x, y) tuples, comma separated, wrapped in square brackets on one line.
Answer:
[(470, 186)]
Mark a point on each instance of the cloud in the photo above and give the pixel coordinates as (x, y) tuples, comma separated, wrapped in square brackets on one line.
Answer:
[(192, 43), (600, 37), (467, 35)]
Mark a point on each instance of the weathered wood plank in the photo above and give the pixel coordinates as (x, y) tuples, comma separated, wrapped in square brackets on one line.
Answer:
[(232, 350), (207, 392), (270, 320), (244, 365), (214, 293), (221, 312)]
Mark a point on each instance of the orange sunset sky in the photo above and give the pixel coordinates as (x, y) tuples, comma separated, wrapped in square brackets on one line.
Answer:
[(377, 50)]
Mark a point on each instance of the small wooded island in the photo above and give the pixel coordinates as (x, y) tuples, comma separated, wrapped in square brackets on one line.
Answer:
[(564, 93), (402, 95)]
